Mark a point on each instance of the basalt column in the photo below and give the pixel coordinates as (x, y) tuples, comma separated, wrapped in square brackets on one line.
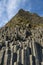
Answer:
[(22, 55), (11, 46), (15, 55), (6, 55), (18, 51), (25, 57), (31, 61), (33, 48), (42, 57), (36, 57), (30, 47)]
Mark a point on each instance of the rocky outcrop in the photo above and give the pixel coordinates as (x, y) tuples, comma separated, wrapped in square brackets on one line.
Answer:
[(21, 44)]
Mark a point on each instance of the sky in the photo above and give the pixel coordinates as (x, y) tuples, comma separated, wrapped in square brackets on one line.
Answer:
[(8, 8)]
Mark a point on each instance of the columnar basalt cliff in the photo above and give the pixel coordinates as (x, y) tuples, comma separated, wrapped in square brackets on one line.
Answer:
[(21, 40)]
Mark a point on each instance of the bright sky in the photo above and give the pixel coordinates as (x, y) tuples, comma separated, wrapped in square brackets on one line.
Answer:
[(8, 8)]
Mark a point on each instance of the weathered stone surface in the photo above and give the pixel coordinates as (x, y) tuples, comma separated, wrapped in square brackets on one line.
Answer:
[(21, 45)]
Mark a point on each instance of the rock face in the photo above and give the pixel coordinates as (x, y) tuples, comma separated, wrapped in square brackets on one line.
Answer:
[(21, 40)]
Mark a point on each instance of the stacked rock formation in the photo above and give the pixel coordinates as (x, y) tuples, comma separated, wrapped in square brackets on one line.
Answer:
[(24, 47)]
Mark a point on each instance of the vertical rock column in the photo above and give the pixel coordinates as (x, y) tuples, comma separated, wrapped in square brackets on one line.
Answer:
[(30, 46), (36, 57), (29, 43), (34, 53), (42, 57), (33, 47), (25, 57), (6, 55), (15, 55), (18, 55), (31, 61), (41, 41), (30, 49), (11, 53), (22, 55), (1, 55)]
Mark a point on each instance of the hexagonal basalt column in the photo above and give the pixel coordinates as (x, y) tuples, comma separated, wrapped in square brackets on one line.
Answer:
[(14, 55), (11, 47), (31, 61), (33, 47)]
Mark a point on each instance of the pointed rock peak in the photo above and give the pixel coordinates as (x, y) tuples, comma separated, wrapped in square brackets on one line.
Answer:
[(21, 10)]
